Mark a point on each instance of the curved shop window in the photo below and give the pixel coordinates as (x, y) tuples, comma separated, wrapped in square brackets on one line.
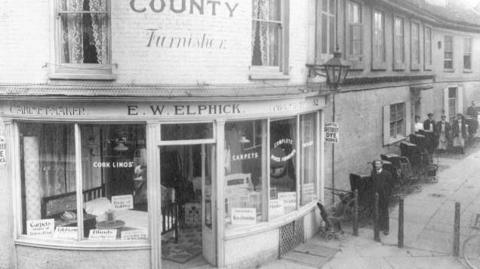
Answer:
[(113, 182), (271, 168)]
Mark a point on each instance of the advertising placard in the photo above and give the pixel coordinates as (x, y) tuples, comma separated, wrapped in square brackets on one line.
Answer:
[(244, 216), (331, 132), (102, 234), (65, 232), (41, 227), (133, 235), (122, 201)]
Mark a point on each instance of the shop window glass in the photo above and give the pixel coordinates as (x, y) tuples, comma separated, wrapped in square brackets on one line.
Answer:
[(308, 127), (114, 173), (283, 178), (187, 131), (47, 154), (246, 171)]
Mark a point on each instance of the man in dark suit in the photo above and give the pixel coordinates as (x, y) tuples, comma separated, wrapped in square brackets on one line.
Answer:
[(382, 184), (430, 135)]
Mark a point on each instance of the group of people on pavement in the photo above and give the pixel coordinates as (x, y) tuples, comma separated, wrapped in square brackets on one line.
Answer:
[(439, 135), (443, 135)]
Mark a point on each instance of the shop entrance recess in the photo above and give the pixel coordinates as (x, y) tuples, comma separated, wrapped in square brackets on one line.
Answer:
[(188, 181)]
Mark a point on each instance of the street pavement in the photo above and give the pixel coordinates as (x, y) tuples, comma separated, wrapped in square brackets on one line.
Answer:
[(428, 222)]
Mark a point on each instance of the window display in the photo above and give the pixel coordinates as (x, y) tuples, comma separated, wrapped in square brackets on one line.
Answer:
[(48, 180), (114, 180), (308, 128), (245, 167), (283, 178)]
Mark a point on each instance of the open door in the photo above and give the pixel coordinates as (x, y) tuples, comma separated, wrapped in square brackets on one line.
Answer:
[(209, 246)]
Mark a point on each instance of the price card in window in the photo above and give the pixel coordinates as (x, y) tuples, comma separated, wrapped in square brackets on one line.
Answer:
[(40, 228), (122, 201), (244, 216), (102, 234), (289, 200), (65, 232), (275, 208), (133, 235)]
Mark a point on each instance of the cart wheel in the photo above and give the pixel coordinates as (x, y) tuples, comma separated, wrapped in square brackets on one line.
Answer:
[(329, 236)]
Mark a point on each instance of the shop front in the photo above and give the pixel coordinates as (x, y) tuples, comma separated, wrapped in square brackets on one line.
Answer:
[(161, 184)]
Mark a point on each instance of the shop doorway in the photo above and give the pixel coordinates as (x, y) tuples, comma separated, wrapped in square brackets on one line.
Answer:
[(188, 182)]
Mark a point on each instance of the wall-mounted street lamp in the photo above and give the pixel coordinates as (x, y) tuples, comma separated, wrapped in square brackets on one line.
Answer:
[(336, 70)]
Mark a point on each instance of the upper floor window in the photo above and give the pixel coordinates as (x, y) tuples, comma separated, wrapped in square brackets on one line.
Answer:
[(415, 46), (399, 43), (467, 53), (354, 30), (448, 53), (428, 48), (83, 38), (378, 40), (267, 32), (326, 10)]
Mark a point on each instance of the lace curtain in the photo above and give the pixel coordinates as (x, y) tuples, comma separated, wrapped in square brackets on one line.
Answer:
[(84, 36), (72, 31), (99, 29), (261, 10)]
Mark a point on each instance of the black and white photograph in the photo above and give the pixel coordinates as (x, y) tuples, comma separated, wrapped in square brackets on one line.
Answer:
[(239, 134)]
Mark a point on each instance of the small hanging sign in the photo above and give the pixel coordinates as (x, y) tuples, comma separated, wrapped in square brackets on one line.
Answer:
[(3, 151)]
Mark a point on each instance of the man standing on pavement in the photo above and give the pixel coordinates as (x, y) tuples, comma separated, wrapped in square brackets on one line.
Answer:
[(430, 135), (382, 184)]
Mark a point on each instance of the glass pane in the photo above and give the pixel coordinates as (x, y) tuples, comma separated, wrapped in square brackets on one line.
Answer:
[(190, 130), (84, 38), (114, 169), (275, 10), (324, 5), (48, 180), (332, 6), (448, 43), (308, 125), (467, 63), (283, 178), (85, 5), (245, 171)]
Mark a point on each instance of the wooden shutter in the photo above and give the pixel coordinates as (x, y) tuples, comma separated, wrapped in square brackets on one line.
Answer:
[(445, 102), (386, 125), (460, 99), (408, 118)]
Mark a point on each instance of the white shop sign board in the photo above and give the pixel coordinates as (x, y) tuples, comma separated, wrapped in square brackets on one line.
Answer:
[(133, 235), (65, 232), (121, 202), (41, 228), (244, 216), (102, 234), (331, 132)]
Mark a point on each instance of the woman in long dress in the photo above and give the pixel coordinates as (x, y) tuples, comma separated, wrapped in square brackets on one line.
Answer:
[(443, 129), (459, 133)]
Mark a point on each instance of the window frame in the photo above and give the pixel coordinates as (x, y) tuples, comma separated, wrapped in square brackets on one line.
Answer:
[(406, 125), (356, 60), (263, 72), (428, 48), (415, 65), (399, 64), (445, 59), (85, 71), (80, 242), (320, 56), (467, 53), (378, 64)]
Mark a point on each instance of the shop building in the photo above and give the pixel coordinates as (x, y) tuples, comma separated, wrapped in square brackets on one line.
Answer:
[(407, 58), (157, 134)]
